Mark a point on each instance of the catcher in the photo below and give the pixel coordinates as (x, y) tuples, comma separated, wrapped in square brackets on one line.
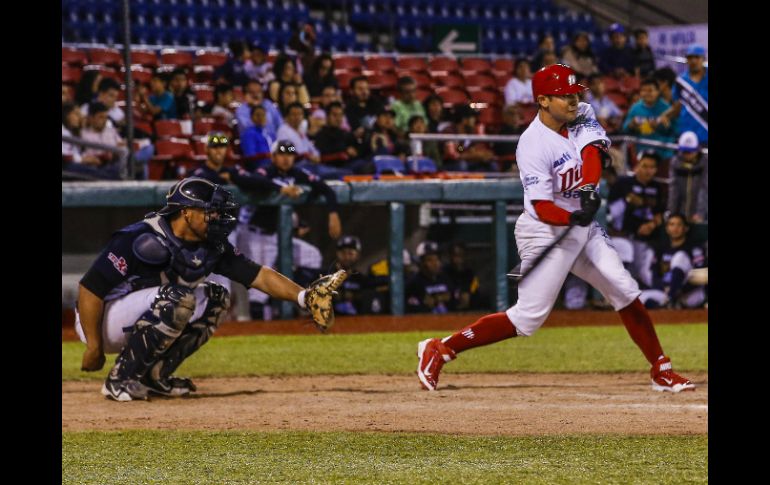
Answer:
[(146, 297)]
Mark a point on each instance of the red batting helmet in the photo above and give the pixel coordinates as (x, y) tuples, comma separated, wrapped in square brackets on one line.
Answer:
[(556, 79)]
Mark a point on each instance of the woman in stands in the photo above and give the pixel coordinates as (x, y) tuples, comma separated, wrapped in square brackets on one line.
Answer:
[(286, 73)]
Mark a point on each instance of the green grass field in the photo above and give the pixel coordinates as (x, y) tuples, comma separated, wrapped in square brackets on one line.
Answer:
[(340, 457), (300, 457), (561, 349)]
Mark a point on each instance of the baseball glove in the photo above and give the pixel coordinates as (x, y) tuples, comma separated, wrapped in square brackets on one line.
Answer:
[(318, 298)]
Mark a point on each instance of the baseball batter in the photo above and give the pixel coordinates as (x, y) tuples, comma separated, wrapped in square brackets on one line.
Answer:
[(560, 158), (147, 298)]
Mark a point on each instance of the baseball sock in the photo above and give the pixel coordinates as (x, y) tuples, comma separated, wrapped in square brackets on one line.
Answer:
[(484, 331), (639, 325)]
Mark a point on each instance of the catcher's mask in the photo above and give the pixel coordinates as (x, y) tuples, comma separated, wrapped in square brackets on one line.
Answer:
[(203, 194)]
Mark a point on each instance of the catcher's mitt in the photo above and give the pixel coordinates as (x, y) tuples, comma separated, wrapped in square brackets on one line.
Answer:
[(318, 298)]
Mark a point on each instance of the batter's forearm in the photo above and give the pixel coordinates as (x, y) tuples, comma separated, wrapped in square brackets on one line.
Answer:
[(90, 312), (276, 285)]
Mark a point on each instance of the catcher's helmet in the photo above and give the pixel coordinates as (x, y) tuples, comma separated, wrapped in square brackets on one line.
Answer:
[(284, 146), (201, 193), (556, 79)]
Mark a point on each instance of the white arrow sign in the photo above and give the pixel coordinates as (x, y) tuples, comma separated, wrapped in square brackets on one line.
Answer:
[(448, 45)]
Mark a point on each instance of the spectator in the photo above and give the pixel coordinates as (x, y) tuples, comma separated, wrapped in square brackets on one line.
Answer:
[(73, 159), (666, 78), (307, 154), (519, 87), (607, 112), (513, 124), (548, 59), (691, 97), (463, 282), (644, 60), (255, 142), (667, 268), (428, 148), (66, 94), (407, 105), (635, 206), (383, 139), (330, 95), (319, 76), (617, 59), (545, 45), (363, 106), (434, 110), (338, 147), (159, 101), (303, 42), (642, 118), (289, 94), (223, 98), (286, 73), (88, 87), (429, 291), (184, 98), (107, 94), (579, 56), (464, 155), (259, 69), (688, 189), (357, 294), (234, 70), (254, 96), (315, 122)]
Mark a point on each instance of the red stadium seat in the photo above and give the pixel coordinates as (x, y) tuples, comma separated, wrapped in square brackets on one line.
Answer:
[(176, 58), (487, 96), (140, 74), (168, 129), (422, 93), (199, 145), (476, 64), (73, 57), (203, 93), (382, 81), (174, 159), (452, 96), (502, 80), (492, 116), (203, 126), (70, 74), (108, 57), (203, 74), (422, 80), (443, 64), (451, 80), (380, 64), (629, 84), (348, 62), (528, 112), (174, 148), (503, 65), (344, 77), (145, 58), (480, 81), (207, 58), (105, 71), (412, 63), (619, 99), (611, 84)]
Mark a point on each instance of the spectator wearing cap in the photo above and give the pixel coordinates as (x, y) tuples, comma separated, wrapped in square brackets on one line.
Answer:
[(429, 291), (688, 189), (691, 97), (406, 105), (255, 96), (607, 112), (618, 58), (362, 106), (223, 98), (463, 281), (255, 141), (160, 102), (259, 69), (465, 155), (338, 147), (642, 118), (213, 168), (579, 56), (357, 294), (234, 70), (644, 60), (519, 88), (107, 94), (383, 139)]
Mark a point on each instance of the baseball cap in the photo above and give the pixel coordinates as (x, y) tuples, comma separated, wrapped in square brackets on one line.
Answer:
[(427, 247), (217, 139), (688, 142), (696, 50), (349, 242), (617, 29), (283, 146)]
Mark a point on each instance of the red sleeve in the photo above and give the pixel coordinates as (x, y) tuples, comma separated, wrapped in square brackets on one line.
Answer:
[(550, 213), (592, 164)]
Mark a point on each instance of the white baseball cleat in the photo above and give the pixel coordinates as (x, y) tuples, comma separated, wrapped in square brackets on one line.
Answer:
[(665, 379)]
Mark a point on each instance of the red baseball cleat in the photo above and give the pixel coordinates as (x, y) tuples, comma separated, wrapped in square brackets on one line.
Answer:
[(665, 379), (433, 354)]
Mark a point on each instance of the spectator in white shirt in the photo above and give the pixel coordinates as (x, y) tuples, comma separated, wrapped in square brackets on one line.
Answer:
[(74, 160), (108, 92), (223, 97), (519, 88)]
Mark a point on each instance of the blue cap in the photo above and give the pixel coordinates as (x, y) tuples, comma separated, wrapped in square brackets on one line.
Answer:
[(617, 29), (696, 50)]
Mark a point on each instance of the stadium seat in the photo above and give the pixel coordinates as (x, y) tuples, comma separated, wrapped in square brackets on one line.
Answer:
[(422, 93), (343, 79), (348, 62), (630, 84), (73, 57), (382, 81), (611, 84), (203, 126), (452, 96), (528, 112), (503, 80), (380, 64), (419, 165), (70, 74), (491, 116), (422, 80), (208, 58), (487, 96), (450, 80), (476, 64), (104, 71), (176, 58), (506, 65), (145, 58), (139, 73), (480, 81), (443, 64), (168, 129), (412, 63), (388, 163), (619, 99), (108, 57), (203, 93)]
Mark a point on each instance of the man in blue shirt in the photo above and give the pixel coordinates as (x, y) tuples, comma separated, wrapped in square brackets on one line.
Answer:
[(642, 118), (618, 59), (255, 96), (691, 97)]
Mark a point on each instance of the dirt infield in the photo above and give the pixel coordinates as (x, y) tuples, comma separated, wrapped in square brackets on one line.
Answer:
[(389, 323), (478, 404)]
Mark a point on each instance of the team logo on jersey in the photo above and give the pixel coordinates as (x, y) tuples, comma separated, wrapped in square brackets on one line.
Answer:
[(119, 263), (562, 160), (571, 79), (196, 261), (530, 180)]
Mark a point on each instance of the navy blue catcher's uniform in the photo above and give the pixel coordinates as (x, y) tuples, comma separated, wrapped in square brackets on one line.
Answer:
[(158, 306), (666, 273)]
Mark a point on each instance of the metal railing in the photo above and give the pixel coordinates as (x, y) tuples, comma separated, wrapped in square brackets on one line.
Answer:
[(121, 152)]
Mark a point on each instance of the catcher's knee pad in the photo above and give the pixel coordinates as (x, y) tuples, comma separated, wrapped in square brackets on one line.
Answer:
[(174, 306), (217, 303)]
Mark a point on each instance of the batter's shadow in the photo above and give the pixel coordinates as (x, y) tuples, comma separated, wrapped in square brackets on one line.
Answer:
[(209, 395)]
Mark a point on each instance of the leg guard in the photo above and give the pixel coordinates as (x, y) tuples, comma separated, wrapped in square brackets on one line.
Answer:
[(155, 331), (196, 333)]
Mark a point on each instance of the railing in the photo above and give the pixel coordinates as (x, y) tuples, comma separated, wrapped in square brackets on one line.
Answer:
[(122, 154)]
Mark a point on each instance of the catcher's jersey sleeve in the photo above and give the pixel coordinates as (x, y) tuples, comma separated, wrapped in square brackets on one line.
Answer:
[(114, 265), (237, 267)]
